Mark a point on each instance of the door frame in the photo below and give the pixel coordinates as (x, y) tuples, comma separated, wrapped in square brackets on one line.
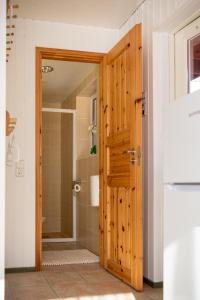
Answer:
[(65, 55)]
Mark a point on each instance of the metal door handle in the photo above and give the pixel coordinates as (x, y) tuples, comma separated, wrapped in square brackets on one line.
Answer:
[(129, 151)]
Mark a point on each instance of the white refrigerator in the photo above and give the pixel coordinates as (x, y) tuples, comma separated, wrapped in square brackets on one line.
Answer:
[(182, 199)]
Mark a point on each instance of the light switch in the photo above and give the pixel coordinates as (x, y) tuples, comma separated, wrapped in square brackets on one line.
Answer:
[(19, 171)]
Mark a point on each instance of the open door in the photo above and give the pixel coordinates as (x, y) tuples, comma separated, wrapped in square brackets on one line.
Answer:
[(121, 161)]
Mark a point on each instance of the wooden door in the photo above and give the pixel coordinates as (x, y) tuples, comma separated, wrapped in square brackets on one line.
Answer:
[(121, 168)]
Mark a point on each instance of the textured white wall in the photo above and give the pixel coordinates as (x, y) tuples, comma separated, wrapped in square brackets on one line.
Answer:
[(2, 139), (20, 204)]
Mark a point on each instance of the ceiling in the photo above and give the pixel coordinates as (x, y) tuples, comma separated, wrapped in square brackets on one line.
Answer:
[(101, 13), (60, 83)]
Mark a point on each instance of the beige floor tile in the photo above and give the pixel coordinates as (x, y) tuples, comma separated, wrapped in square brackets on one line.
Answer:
[(150, 293), (105, 291), (61, 276), (60, 246), (26, 279), (114, 288), (142, 296), (8, 295), (72, 282), (155, 294), (87, 267), (33, 293), (75, 289), (98, 276)]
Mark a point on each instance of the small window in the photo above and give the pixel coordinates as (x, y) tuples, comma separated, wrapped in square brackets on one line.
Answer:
[(194, 64), (187, 59)]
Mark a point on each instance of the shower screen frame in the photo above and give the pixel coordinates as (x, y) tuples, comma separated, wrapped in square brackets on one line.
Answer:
[(74, 158)]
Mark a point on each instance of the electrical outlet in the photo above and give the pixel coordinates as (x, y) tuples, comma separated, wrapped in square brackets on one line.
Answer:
[(19, 170)]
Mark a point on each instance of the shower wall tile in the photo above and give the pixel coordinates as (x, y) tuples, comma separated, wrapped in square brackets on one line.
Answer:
[(87, 165), (82, 129), (88, 216), (83, 149), (67, 175), (51, 105), (57, 172), (82, 169), (83, 122), (83, 107), (51, 175)]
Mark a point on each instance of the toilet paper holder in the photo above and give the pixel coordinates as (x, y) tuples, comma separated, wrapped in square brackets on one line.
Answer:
[(76, 186), (74, 182)]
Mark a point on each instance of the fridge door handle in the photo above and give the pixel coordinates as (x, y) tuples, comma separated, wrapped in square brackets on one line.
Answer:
[(194, 113), (186, 187)]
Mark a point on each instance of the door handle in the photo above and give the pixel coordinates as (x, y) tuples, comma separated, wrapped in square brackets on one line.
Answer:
[(129, 151)]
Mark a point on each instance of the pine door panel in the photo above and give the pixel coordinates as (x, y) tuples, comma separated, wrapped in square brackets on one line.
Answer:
[(121, 221)]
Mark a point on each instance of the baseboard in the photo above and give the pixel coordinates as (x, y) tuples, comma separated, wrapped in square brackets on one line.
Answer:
[(20, 270), (153, 284)]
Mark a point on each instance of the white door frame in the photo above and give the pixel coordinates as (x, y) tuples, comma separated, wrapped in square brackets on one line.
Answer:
[(73, 112)]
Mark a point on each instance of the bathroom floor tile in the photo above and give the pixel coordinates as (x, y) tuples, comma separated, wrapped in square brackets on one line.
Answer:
[(26, 279), (81, 268), (72, 282), (47, 246), (98, 276), (8, 294), (33, 293), (62, 276)]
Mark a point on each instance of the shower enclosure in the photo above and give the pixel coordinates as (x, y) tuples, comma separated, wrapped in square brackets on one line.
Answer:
[(58, 174)]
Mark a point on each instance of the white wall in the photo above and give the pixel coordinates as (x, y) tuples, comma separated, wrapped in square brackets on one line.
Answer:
[(2, 139), (20, 204), (155, 16)]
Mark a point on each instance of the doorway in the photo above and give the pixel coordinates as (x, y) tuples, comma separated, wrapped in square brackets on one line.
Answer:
[(48, 119), (120, 149)]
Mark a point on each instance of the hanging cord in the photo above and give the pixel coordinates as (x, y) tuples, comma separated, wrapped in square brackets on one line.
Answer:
[(13, 152)]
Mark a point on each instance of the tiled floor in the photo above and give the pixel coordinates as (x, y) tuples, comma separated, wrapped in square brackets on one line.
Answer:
[(60, 246), (73, 282), (54, 235)]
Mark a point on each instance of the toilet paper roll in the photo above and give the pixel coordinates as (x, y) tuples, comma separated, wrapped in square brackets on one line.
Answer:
[(94, 190), (77, 188)]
